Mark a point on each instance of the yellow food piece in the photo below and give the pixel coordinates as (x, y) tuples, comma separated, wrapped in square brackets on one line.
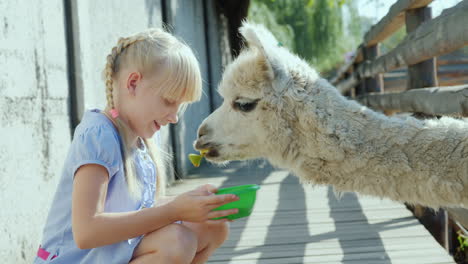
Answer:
[(196, 159)]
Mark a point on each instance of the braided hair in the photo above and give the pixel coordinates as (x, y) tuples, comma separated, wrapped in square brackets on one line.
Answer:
[(110, 68)]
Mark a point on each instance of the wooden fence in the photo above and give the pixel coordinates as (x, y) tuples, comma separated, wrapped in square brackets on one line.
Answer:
[(427, 38)]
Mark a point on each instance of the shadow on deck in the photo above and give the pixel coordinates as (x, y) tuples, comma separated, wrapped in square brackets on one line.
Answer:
[(294, 223)]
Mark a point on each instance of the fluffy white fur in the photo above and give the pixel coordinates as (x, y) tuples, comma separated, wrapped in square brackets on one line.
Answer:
[(302, 123)]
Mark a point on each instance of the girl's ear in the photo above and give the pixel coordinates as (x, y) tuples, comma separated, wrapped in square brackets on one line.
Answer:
[(133, 80)]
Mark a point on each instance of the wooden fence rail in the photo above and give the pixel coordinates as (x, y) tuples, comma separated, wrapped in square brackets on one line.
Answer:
[(451, 100), (394, 19), (426, 40), (390, 23), (436, 37)]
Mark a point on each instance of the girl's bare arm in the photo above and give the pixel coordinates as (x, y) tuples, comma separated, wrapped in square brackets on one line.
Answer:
[(92, 227)]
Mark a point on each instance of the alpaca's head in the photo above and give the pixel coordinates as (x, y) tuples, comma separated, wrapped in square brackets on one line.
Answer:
[(258, 88)]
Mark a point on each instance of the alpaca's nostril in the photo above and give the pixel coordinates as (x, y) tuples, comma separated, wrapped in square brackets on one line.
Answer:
[(203, 130)]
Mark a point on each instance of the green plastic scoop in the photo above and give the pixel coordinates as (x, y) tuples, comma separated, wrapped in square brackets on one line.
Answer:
[(247, 195)]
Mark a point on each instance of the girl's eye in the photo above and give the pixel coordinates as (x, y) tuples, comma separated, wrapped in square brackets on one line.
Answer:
[(245, 106), (169, 102)]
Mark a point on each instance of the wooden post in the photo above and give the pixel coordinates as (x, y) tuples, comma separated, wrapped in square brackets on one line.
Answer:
[(350, 92), (448, 230), (423, 74), (420, 75), (374, 84), (359, 89)]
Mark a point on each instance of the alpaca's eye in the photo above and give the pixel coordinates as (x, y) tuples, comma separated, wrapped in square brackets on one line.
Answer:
[(245, 106)]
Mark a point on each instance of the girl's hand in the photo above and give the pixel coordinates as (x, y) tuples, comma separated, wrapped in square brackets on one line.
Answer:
[(197, 205)]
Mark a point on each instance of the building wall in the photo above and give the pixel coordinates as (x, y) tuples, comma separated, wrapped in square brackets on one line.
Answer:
[(34, 121), (97, 26), (51, 59)]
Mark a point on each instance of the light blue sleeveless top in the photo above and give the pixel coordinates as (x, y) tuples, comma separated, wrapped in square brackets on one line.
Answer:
[(96, 141)]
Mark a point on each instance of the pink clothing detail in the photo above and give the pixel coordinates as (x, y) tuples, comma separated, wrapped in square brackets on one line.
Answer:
[(44, 254), (114, 113)]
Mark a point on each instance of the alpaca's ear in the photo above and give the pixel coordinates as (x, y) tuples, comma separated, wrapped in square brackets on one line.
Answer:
[(260, 38)]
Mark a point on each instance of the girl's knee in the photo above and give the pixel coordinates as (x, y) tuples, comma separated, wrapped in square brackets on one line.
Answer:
[(210, 236), (181, 244), (218, 233), (173, 244), (223, 231), (182, 236)]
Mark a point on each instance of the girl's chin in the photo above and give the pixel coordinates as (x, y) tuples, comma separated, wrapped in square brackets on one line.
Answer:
[(156, 127), (148, 132), (151, 133)]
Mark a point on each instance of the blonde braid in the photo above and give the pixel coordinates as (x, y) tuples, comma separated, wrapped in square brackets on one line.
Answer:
[(110, 67), (132, 182)]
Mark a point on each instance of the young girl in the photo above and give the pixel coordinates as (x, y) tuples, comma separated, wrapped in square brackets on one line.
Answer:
[(103, 209)]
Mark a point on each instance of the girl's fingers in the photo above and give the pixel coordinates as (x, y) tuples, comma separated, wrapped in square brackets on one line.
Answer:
[(218, 200), (215, 214), (217, 222), (210, 188)]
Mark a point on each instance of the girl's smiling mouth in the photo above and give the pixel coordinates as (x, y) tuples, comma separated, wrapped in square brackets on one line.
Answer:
[(156, 125)]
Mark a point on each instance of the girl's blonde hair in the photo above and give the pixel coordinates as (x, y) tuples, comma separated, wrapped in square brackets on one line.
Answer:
[(151, 51)]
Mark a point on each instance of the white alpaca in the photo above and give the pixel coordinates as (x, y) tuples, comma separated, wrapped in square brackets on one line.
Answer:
[(277, 107)]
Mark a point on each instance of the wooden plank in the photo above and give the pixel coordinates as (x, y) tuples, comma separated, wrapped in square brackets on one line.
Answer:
[(310, 220), (451, 61), (399, 85), (392, 21), (338, 216), (402, 256), (273, 239), (431, 101), (316, 249), (439, 36), (448, 75), (323, 223), (328, 247)]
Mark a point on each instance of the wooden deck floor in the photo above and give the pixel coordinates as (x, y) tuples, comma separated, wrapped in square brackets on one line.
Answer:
[(294, 223)]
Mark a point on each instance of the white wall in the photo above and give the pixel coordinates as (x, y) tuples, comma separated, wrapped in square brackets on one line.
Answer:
[(34, 122), (97, 25)]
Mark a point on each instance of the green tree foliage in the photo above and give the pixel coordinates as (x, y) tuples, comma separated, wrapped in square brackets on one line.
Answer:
[(260, 14), (314, 29), (393, 41)]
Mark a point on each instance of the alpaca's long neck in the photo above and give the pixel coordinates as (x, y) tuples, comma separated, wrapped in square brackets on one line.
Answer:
[(356, 149)]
